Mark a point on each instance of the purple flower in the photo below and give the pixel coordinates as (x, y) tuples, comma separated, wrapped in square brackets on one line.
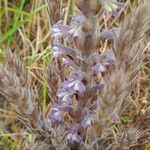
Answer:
[(55, 115), (98, 64), (76, 27), (56, 42), (60, 49), (78, 20), (108, 57), (59, 29), (68, 61), (65, 107), (56, 52), (56, 112), (64, 94), (75, 81), (103, 61), (112, 6), (87, 118), (99, 67), (100, 86), (110, 34), (73, 136)]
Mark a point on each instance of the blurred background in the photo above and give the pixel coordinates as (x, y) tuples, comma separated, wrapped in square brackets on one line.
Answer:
[(25, 28)]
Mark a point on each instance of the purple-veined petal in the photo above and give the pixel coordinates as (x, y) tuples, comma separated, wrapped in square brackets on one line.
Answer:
[(76, 75), (99, 68), (76, 32), (55, 115), (67, 49), (76, 27), (103, 61), (87, 118), (86, 122), (110, 34), (66, 99), (112, 6), (64, 95), (57, 35), (73, 136), (56, 42), (76, 86), (74, 81), (60, 28), (71, 84), (78, 20), (68, 61), (56, 52), (62, 50), (100, 86), (65, 84), (79, 87), (108, 57), (66, 107)]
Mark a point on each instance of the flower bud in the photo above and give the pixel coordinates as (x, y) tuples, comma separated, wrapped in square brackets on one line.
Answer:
[(88, 6), (87, 40), (87, 26)]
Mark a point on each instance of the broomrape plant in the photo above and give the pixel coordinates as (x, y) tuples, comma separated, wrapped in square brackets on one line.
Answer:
[(87, 85)]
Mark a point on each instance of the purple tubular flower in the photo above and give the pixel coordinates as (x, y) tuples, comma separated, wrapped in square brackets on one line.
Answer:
[(87, 118), (76, 27), (68, 61), (55, 115), (112, 6), (60, 49), (78, 20), (119, 7), (108, 56), (64, 94), (56, 52), (119, 4), (98, 64), (56, 42), (75, 81), (110, 34), (103, 61), (57, 110), (59, 29), (73, 136), (99, 67), (66, 107), (100, 86)]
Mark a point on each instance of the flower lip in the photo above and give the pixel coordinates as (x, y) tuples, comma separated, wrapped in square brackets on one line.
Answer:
[(78, 20), (112, 6), (60, 49), (65, 94), (103, 61), (73, 136), (75, 81), (60, 27), (55, 115), (87, 118)]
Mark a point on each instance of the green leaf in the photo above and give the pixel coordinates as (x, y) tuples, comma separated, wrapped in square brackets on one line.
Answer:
[(126, 119)]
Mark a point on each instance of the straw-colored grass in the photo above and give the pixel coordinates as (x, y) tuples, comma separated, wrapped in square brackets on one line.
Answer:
[(25, 26)]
